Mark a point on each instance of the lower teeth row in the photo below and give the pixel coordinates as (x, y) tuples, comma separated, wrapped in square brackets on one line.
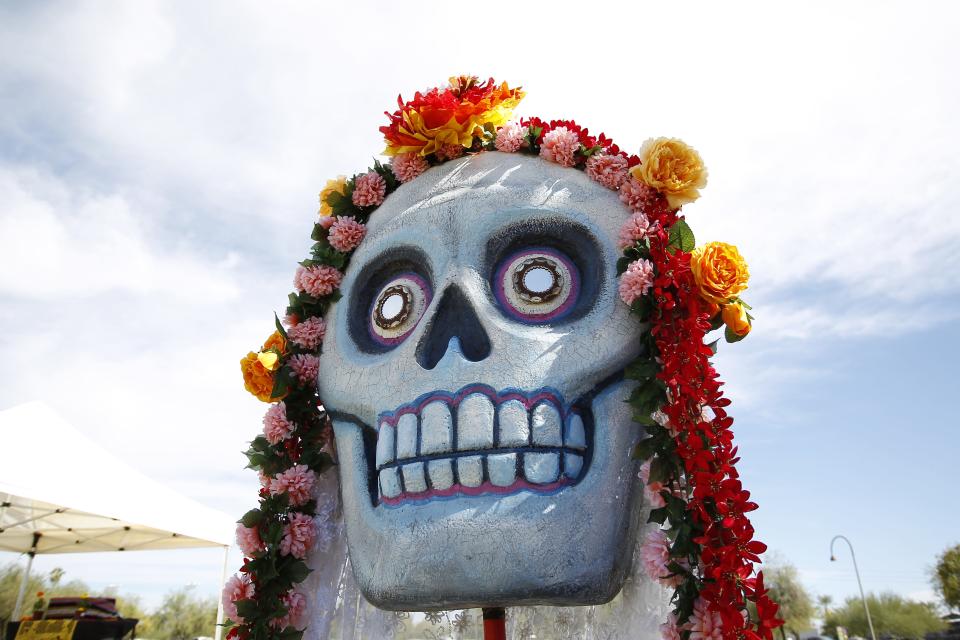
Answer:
[(500, 470)]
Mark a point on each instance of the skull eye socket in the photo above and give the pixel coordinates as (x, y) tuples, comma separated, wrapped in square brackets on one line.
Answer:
[(537, 285), (398, 307)]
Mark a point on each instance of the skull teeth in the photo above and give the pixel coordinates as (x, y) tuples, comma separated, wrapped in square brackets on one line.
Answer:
[(477, 440)]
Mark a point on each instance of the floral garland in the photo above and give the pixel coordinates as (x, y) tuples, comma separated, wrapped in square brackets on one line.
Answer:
[(705, 548)]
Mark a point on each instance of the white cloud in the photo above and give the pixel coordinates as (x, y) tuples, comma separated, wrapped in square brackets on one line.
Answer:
[(61, 241)]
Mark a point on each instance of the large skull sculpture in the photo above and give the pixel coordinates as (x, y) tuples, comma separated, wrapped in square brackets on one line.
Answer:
[(473, 371)]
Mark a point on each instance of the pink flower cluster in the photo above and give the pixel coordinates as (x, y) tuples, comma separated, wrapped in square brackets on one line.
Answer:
[(309, 333), (636, 281), (651, 490), (449, 152), (295, 603), (560, 145), (634, 229), (306, 367), (238, 587), (610, 170), (510, 137), (297, 482), (670, 630), (298, 536), (276, 426), (641, 197), (655, 555), (408, 166), (369, 190), (327, 221), (346, 233), (248, 540), (318, 280), (703, 623)]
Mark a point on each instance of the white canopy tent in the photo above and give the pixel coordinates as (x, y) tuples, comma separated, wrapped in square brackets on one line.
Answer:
[(60, 492)]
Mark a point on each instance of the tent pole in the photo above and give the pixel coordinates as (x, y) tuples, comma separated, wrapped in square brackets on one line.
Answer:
[(218, 632), (26, 576)]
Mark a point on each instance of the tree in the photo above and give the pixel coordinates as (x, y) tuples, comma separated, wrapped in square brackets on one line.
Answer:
[(181, 616), (946, 576), (825, 601), (796, 605), (893, 616), (10, 576)]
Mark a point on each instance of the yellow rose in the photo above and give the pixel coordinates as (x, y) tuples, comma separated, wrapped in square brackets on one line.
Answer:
[(735, 317), (673, 168), (337, 185), (720, 271)]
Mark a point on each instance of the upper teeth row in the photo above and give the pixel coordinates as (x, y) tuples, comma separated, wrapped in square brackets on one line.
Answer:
[(477, 424)]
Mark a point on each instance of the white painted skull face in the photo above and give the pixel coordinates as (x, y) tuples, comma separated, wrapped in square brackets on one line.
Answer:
[(473, 371)]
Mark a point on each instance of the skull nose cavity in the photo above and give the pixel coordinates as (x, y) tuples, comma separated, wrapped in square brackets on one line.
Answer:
[(454, 328)]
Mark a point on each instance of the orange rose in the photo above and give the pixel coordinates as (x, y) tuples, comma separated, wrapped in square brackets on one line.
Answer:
[(735, 317), (258, 379), (673, 168), (720, 271)]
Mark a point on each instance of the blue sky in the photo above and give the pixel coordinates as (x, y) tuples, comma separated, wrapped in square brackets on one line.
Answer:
[(159, 165)]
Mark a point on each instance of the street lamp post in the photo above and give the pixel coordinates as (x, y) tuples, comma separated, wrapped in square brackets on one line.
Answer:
[(856, 570)]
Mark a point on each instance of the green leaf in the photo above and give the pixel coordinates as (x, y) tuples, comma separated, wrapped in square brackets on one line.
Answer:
[(298, 571), (246, 608), (641, 370), (281, 382), (730, 336), (660, 470), (681, 236), (645, 448), (319, 233), (252, 518), (280, 329), (713, 346), (658, 515)]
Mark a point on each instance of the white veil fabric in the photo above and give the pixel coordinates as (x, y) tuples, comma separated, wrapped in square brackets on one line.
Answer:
[(336, 610)]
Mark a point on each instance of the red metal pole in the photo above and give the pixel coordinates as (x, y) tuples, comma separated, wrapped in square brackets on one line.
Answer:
[(494, 624)]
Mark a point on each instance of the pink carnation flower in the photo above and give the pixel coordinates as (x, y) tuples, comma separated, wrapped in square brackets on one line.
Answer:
[(318, 280), (635, 228), (346, 233), (238, 587), (510, 137), (297, 482), (669, 630), (449, 152), (636, 281), (309, 333), (641, 197), (608, 169), (296, 605), (408, 166), (327, 221), (298, 536), (655, 557), (560, 145), (705, 624), (369, 190), (306, 367), (265, 480), (248, 540), (276, 426)]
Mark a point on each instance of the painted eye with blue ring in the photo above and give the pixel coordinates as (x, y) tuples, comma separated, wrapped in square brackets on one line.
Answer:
[(398, 307), (537, 285)]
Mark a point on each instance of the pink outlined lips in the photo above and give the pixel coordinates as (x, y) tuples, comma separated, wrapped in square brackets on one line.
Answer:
[(536, 285)]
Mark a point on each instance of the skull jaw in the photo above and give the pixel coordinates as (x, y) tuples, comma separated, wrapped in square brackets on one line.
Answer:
[(570, 548)]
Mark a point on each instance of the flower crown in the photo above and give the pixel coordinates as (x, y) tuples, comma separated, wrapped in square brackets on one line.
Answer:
[(705, 548)]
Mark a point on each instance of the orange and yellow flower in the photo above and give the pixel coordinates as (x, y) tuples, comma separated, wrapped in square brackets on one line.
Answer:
[(735, 317), (258, 368), (453, 116), (673, 168), (720, 271)]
